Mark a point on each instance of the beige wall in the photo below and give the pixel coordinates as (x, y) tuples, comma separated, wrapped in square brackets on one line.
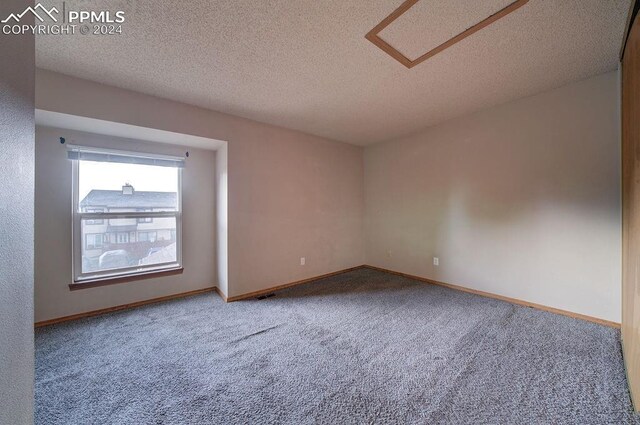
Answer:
[(17, 124), (290, 195), (521, 200), (53, 238), (222, 219)]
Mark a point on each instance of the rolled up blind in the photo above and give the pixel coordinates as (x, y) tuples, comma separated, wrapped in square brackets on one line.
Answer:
[(86, 153)]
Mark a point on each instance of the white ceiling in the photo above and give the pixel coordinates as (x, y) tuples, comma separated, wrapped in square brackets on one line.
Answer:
[(305, 64)]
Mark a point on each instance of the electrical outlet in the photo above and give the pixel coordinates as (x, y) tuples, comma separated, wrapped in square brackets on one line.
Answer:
[(436, 261), (303, 261), (388, 253)]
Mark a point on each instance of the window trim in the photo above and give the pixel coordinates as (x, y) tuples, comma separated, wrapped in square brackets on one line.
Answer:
[(121, 274), (94, 283)]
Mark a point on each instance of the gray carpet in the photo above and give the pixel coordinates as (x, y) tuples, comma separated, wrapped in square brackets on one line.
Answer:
[(359, 348)]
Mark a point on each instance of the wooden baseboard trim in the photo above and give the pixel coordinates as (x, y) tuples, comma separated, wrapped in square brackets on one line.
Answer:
[(286, 285), (122, 307), (219, 292), (300, 282), (502, 298)]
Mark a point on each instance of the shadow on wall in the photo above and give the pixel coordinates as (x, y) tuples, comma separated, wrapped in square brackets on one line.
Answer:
[(521, 200)]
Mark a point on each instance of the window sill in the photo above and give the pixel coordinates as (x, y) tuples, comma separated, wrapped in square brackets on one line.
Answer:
[(112, 280)]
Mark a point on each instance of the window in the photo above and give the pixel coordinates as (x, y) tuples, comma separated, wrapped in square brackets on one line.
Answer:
[(122, 238), (145, 219), (93, 241), (136, 198), (147, 236)]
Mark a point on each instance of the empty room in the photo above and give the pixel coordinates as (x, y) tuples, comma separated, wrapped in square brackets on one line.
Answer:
[(320, 212)]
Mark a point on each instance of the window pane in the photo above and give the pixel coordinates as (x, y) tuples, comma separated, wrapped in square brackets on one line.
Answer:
[(126, 243), (113, 187), (94, 210)]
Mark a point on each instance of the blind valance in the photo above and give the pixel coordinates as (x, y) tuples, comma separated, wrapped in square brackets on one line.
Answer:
[(86, 153)]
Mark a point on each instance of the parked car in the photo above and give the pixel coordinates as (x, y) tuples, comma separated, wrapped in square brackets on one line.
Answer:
[(114, 259), (154, 249), (158, 255)]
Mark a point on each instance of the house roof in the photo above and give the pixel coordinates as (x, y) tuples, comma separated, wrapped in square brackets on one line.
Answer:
[(139, 199)]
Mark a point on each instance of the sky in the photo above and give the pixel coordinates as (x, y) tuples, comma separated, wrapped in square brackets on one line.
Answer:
[(112, 176)]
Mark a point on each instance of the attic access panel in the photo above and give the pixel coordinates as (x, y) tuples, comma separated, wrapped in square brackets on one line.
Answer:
[(407, 20)]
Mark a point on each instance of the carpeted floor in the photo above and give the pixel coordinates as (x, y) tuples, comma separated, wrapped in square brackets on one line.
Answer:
[(358, 348)]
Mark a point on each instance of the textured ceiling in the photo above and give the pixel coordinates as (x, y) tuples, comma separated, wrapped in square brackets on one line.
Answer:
[(306, 65)]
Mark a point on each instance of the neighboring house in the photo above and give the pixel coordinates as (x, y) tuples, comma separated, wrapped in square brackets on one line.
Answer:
[(138, 236)]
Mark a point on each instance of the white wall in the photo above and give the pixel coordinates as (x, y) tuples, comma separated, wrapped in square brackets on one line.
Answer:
[(53, 238), (521, 200), (222, 218), (290, 194), (17, 67)]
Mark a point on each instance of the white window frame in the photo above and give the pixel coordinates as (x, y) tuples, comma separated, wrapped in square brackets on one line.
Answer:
[(77, 239)]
